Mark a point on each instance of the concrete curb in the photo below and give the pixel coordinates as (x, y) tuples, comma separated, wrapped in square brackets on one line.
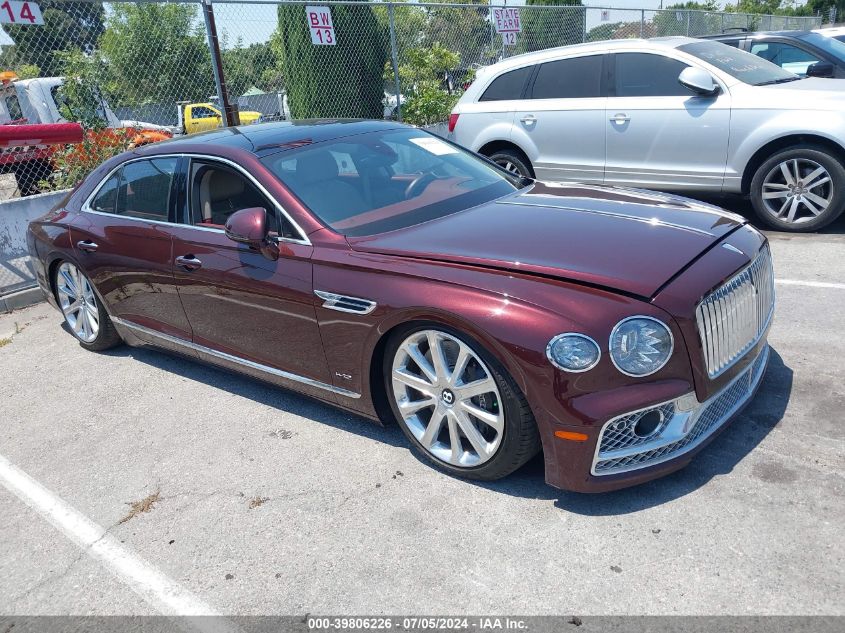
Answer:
[(21, 299)]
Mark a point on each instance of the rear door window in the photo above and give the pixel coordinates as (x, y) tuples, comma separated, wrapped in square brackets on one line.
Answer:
[(507, 86), (575, 78), (648, 75), (106, 197), (145, 189)]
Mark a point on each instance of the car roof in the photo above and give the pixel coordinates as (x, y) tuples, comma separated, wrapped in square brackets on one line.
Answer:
[(604, 46), (266, 138), (753, 34)]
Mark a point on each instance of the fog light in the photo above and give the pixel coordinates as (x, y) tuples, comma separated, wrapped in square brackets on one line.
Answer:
[(648, 424)]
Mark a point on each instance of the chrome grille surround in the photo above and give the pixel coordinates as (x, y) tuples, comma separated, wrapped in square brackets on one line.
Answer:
[(733, 318), (619, 450)]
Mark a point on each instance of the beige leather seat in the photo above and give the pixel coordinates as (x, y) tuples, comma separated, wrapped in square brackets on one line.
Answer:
[(322, 189)]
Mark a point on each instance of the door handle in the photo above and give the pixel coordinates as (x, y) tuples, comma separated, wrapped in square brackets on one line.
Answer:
[(620, 117), (188, 262), (528, 119), (87, 245)]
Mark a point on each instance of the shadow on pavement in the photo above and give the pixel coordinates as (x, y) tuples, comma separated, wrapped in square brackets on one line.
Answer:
[(263, 393), (762, 414), (746, 431)]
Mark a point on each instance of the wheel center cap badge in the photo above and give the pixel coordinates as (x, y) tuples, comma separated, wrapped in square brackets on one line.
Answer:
[(447, 397)]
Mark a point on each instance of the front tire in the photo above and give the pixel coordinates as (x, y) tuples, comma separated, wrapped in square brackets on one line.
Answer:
[(799, 189), (456, 404), (84, 314)]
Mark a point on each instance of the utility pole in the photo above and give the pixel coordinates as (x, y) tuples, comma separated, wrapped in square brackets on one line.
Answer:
[(230, 111)]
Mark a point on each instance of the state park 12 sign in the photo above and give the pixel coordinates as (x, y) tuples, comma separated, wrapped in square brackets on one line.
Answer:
[(320, 24), (507, 22), (24, 13)]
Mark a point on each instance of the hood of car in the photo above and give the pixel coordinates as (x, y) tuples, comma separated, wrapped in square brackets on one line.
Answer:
[(810, 93), (629, 240)]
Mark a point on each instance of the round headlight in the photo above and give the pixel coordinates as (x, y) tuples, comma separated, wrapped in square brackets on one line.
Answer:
[(640, 345), (573, 352)]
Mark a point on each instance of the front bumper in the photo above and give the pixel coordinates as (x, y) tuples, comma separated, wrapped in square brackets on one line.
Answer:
[(619, 459), (685, 424)]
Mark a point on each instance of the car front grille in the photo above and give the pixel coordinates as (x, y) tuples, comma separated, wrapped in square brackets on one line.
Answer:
[(620, 450), (732, 318)]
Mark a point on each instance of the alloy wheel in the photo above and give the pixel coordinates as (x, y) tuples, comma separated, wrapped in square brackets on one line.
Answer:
[(797, 190), (78, 303), (508, 165), (447, 398)]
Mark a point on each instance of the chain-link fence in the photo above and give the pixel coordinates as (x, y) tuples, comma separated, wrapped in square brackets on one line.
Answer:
[(138, 72)]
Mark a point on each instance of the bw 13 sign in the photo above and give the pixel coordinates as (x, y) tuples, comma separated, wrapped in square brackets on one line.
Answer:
[(320, 24), (507, 22), (20, 13)]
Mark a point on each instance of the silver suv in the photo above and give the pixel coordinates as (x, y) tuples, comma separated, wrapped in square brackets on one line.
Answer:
[(675, 114)]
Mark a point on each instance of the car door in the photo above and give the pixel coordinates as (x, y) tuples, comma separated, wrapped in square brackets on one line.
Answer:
[(123, 241), (201, 118), (561, 123), (244, 309), (659, 133)]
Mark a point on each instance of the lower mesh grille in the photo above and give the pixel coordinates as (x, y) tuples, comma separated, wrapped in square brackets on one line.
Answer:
[(708, 418)]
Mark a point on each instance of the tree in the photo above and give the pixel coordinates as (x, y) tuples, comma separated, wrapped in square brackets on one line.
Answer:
[(68, 26), (699, 18), (341, 80), (253, 65), (546, 28), (156, 53), (421, 75), (463, 30)]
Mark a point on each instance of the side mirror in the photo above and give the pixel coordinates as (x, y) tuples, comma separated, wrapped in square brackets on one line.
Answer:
[(821, 69), (249, 226), (699, 81)]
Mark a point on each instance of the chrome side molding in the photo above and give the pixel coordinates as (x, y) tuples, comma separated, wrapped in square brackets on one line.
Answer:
[(236, 359), (344, 303)]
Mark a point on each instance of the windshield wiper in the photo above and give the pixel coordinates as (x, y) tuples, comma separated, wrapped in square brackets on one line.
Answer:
[(779, 81)]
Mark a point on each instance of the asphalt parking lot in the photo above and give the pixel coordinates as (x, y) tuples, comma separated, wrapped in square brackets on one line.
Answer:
[(241, 498)]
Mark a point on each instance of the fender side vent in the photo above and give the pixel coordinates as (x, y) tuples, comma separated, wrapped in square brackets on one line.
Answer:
[(342, 303)]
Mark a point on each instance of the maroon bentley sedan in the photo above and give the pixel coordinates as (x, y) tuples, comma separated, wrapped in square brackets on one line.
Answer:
[(386, 271)]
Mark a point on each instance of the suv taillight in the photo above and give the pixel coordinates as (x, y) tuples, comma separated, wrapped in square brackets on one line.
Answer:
[(453, 121)]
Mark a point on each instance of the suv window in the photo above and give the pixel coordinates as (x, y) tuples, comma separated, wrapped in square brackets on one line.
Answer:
[(786, 56), (647, 75), (575, 78), (507, 86)]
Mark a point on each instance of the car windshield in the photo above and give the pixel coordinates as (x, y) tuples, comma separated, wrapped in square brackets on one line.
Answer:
[(382, 181), (746, 67), (828, 44)]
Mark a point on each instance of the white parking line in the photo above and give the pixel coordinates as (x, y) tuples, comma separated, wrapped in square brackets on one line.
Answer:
[(164, 594), (810, 284)]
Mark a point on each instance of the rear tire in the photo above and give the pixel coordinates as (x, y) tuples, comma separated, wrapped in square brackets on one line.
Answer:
[(472, 422), (84, 313), (799, 189), (514, 161)]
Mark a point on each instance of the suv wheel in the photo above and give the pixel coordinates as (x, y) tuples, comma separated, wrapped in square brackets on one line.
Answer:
[(799, 189), (513, 161)]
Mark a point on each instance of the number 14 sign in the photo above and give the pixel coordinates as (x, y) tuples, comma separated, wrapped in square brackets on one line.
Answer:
[(20, 13)]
